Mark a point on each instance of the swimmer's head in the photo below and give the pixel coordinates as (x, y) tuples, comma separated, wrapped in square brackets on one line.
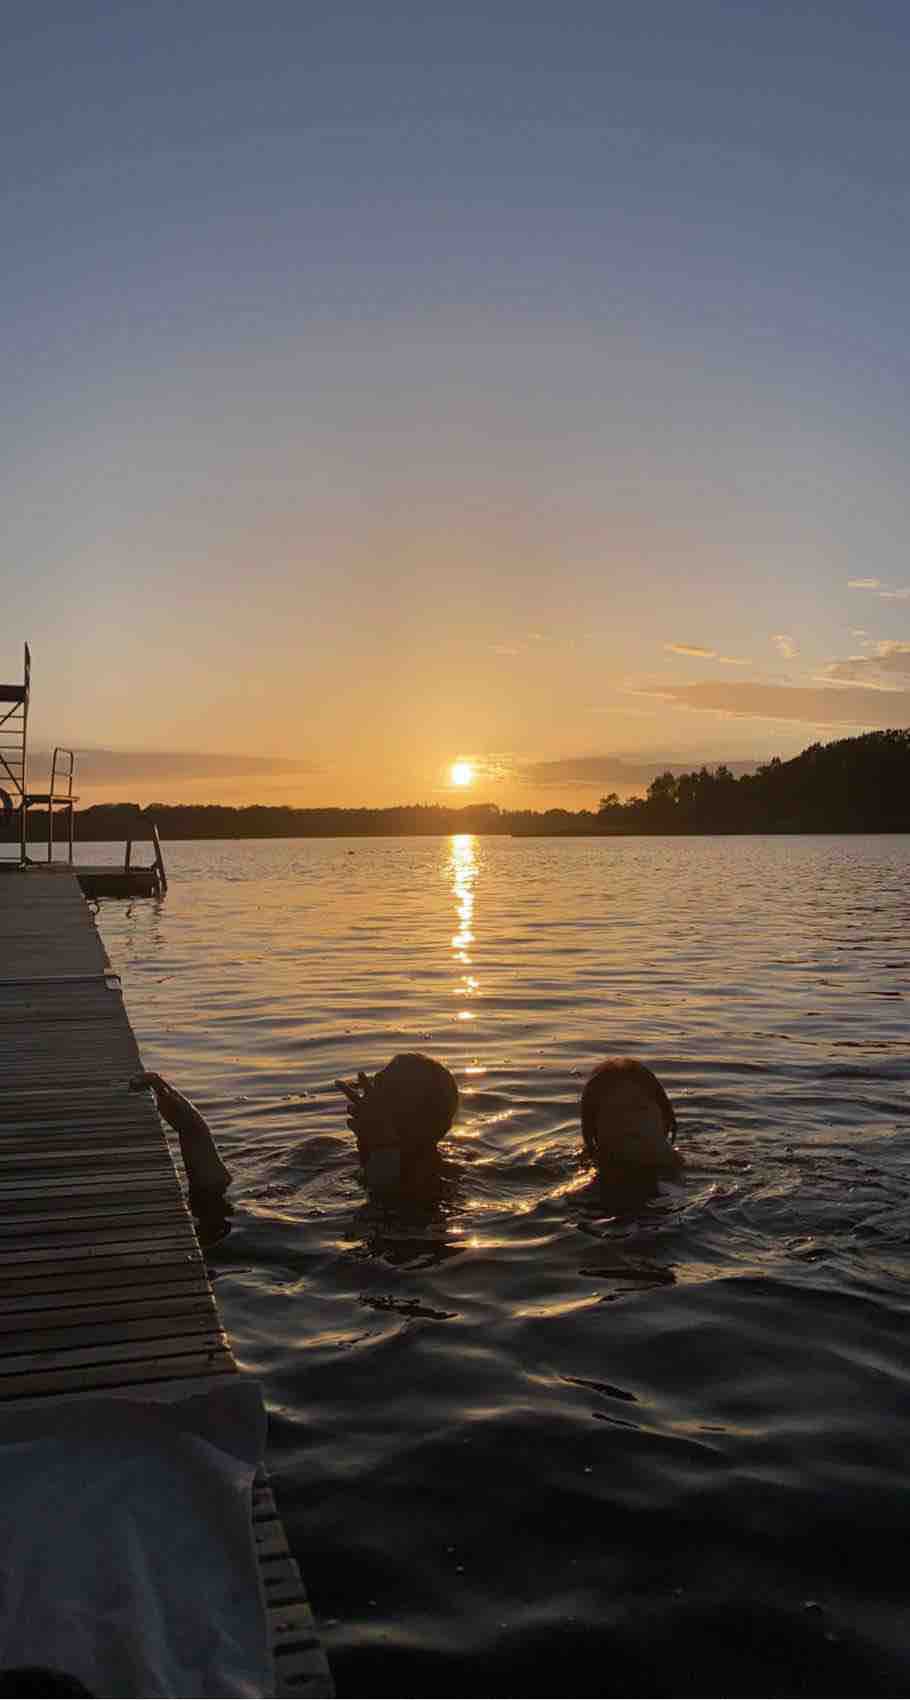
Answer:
[(406, 1108), (419, 1096), (627, 1121)]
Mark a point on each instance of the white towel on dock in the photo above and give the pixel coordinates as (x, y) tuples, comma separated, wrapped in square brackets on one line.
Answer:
[(126, 1547)]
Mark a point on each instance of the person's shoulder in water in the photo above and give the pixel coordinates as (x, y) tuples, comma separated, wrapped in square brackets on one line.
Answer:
[(398, 1117), (628, 1124)]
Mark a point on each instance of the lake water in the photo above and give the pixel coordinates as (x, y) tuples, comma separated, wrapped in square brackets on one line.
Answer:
[(524, 1445)]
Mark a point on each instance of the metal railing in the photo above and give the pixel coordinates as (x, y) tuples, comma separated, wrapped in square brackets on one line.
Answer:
[(64, 800), (157, 865), (159, 859)]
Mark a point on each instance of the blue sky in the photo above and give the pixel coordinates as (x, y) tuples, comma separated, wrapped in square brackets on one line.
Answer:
[(390, 385)]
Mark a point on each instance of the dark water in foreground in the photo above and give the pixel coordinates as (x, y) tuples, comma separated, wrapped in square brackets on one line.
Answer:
[(526, 1446)]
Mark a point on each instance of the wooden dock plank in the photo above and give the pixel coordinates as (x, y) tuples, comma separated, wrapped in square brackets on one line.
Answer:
[(133, 1183), (63, 1305), (112, 1250), (70, 1378), (113, 1346), (15, 1220), (103, 1289)]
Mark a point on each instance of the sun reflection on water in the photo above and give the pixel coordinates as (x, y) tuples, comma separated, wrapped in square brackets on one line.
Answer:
[(462, 867)]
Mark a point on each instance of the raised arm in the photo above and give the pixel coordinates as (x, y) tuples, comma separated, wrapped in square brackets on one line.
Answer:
[(205, 1171)]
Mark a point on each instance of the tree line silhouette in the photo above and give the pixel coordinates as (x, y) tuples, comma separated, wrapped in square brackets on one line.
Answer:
[(852, 785)]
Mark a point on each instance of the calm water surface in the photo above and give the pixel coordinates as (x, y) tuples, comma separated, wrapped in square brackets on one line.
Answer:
[(524, 1445)]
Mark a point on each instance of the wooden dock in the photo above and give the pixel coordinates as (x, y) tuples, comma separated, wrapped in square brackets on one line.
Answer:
[(105, 880), (104, 1288)]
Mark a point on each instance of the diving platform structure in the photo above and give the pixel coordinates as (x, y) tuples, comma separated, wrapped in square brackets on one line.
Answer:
[(58, 803)]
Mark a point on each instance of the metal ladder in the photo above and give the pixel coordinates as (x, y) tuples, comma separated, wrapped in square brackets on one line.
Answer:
[(14, 750), (14, 790)]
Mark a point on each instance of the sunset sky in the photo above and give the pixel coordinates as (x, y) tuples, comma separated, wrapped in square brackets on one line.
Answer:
[(389, 385)]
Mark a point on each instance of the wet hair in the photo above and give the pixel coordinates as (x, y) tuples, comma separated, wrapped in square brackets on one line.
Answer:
[(605, 1079), (435, 1096)]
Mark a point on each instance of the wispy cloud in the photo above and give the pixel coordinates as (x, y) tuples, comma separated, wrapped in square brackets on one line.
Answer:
[(119, 767), (890, 661), (610, 770), (814, 705), (786, 646), (901, 594), (702, 654)]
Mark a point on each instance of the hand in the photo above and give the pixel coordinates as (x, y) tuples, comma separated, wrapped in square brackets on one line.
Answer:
[(155, 1081), (357, 1094), (368, 1117)]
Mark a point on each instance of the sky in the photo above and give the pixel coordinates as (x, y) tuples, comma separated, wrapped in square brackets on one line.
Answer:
[(388, 387)]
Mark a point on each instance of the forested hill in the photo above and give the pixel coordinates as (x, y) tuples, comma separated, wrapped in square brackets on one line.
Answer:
[(853, 785)]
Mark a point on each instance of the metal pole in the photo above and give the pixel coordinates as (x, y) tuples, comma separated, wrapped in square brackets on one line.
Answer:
[(26, 680), (50, 812), (159, 859)]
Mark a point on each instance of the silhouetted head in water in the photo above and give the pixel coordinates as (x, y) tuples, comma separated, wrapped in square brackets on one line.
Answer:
[(398, 1118), (627, 1123)]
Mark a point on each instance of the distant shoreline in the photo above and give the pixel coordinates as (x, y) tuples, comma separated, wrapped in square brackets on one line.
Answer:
[(854, 785), (37, 845)]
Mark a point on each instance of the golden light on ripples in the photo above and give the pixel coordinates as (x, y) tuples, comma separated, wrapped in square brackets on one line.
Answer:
[(576, 1184), (562, 1307), (463, 869)]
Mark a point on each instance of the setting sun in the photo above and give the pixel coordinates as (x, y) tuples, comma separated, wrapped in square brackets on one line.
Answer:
[(462, 773)]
